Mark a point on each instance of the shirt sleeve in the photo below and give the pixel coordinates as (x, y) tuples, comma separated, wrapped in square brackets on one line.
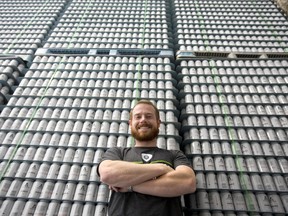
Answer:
[(111, 154), (181, 159)]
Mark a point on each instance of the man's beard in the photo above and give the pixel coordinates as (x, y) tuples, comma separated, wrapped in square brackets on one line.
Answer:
[(145, 136)]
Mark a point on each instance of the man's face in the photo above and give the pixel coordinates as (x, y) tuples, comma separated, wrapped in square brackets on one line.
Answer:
[(144, 124)]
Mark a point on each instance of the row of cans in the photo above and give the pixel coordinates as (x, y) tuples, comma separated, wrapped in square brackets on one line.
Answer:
[(44, 207), (220, 79), (245, 66), (38, 139), (246, 164), (84, 114), (98, 99), (241, 181), (279, 100), (90, 59), (277, 110), (239, 89), (61, 84), (235, 134), (235, 121), (94, 76), (256, 149), (59, 190), (238, 202), (64, 65), (62, 126)]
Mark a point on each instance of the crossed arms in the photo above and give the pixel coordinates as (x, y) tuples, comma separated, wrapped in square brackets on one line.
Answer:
[(152, 179)]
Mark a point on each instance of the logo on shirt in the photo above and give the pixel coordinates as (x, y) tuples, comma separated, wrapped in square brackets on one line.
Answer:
[(146, 157)]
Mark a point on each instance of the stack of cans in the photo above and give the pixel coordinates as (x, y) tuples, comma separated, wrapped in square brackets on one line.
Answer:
[(234, 126)]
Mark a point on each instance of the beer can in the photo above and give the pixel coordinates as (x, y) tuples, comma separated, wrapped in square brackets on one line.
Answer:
[(222, 180), (226, 148), (273, 165), (219, 163), (42, 171), (267, 149), (257, 182), (214, 200), (74, 172), (41, 208), (6, 207), (200, 180), (53, 208), (94, 175), (17, 207), (14, 188), (102, 141), (79, 155), (276, 203), (88, 156), (263, 202), (208, 163), (276, 149), (76, 209), (268, 182), (227, 201), (47, 190), (36, 189), (69, 191), (103, 193), (251, 202), (262, 165), (211, 180), (230, 163), (245, 181), (280, 183), (198, 163), (53, 171), (58, 190), (92, 191), (33, 170), (64, 172), (25, 188), (233, 181), (202, 200), (216, 148), (91, 141), (195, 147), (65, 209), (84, 173), (239, 201), (80, 192), (100, 210), (23, 168), (251, 164), (29, 207)]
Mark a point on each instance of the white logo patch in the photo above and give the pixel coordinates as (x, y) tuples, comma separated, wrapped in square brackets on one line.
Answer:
[(146, 157)]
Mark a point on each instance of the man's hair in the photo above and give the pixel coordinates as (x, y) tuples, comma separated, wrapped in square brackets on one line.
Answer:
[(149, 103)]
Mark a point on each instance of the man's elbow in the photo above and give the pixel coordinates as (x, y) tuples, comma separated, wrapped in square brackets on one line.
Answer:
[(192, 185), (106, 174)]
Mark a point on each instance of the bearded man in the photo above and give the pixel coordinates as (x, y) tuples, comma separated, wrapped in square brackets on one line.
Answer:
[(146, 180)]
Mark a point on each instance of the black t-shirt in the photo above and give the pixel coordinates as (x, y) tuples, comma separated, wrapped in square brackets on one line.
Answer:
[(137, 204)]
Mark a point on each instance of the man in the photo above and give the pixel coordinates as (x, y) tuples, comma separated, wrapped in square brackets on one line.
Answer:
[(146, 180)]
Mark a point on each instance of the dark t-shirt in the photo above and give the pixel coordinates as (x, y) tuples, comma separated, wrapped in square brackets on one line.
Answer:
[(137, 204)]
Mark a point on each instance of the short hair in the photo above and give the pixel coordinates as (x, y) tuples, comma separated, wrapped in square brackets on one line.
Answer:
[(148, 103)]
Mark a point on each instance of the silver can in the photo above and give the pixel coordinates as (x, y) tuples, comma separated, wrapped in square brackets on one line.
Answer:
[(211, 181), (202, 200), (263, 202), (276, 203)]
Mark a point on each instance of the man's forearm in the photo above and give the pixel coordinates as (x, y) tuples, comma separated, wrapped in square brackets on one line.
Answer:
[(168, 185), (124, 174)]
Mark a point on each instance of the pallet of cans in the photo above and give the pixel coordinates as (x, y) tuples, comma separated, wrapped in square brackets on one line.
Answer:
[(113, 25), (224, 26), (234, 127), (67, 110)]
